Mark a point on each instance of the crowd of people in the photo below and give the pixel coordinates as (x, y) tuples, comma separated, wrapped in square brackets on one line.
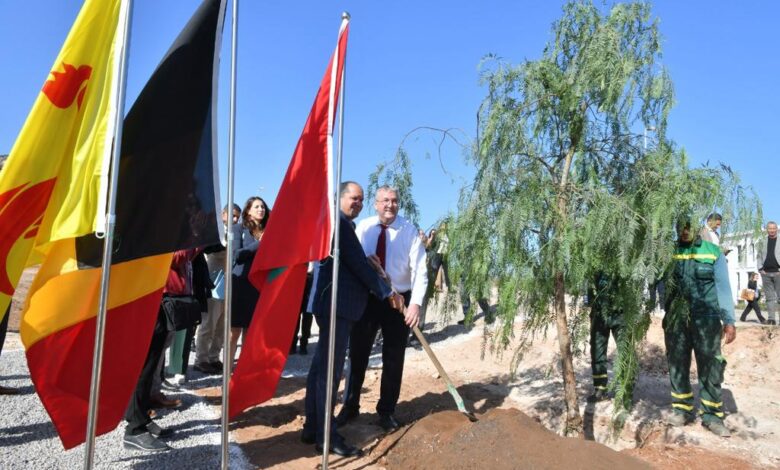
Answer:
[(194, 301), (383, 286), (382, 283)]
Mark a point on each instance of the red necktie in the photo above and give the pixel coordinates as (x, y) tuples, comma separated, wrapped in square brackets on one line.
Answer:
[(381, 244)]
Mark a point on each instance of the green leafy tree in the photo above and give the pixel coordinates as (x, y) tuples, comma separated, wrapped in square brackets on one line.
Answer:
[(565, 188), (397, 172)]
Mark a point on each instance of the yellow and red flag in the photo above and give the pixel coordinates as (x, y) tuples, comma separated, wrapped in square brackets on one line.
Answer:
[(166, 201), (53, 185)]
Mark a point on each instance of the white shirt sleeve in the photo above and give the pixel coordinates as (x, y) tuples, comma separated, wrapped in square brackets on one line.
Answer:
[(419, 268)]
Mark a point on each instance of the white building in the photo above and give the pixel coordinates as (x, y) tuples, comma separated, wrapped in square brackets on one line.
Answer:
[(741, 259)]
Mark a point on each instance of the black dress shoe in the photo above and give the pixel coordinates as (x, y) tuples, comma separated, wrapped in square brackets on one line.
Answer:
[(8, 391), (145, 442), (206, 368), (308, 437), (158, 432), (343, 449), (346, 415), (388, 422)]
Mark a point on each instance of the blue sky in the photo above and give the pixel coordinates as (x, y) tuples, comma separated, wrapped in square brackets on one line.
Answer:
[(415, 64)]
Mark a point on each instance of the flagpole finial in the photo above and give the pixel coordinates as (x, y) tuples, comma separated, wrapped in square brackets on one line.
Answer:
[(345, 16)]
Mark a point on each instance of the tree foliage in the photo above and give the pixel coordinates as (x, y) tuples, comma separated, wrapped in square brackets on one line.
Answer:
[(397, 174), (565, 189)]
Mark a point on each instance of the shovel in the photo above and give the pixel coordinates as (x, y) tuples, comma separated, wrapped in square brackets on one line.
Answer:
[(450, 386)]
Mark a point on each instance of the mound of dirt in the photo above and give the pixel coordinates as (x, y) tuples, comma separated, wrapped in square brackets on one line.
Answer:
[(501, 439)]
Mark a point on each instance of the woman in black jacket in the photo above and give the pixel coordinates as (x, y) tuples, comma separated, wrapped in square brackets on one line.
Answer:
[(753, 304), (246, 236)]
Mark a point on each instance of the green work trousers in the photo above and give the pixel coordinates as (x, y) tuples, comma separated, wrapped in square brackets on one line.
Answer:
[(600, 328), (700, 335)]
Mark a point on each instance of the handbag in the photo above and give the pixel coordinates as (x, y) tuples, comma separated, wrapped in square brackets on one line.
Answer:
[(181, 312), (747, 294)]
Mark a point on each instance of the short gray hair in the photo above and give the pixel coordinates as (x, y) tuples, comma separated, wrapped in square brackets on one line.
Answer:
[(385, 187)]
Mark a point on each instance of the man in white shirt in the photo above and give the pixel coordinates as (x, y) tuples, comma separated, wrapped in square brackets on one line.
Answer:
[(393, 242), (710, 231)]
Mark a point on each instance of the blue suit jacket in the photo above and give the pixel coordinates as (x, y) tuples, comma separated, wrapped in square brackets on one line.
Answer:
[(356, 278)]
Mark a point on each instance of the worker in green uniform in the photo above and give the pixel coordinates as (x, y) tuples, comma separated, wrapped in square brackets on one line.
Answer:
[(605, 317), (699, 313)]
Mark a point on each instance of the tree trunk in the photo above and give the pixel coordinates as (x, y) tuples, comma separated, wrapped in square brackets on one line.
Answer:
[(573, 418)]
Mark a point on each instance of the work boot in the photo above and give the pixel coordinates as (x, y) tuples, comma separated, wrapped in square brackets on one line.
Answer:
[(599, 395), (679, 419), (717, 428)]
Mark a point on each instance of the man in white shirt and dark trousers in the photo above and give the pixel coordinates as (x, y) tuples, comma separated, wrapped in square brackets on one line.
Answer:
[(393, 242)]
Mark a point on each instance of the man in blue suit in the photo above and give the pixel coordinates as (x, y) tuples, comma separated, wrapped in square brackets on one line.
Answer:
[(356, 280)]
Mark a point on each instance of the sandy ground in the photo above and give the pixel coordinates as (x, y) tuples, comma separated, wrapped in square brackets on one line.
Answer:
[(269, 434)]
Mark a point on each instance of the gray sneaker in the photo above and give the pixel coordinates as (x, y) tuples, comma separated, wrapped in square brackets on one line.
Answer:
[(145, 442), (717, 428), (679, 419)]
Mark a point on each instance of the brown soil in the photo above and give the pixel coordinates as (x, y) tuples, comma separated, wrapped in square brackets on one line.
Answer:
[(501, 439), (669, 456), (516, 412)]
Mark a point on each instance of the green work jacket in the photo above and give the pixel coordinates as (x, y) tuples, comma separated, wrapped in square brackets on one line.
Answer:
[(698, 282)]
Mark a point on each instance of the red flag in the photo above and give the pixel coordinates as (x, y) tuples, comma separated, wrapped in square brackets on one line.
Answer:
[(298, 231)]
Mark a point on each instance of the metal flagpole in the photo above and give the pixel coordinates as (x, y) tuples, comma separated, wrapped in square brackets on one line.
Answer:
[(336, 254), (126, 8), (227, 365)]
